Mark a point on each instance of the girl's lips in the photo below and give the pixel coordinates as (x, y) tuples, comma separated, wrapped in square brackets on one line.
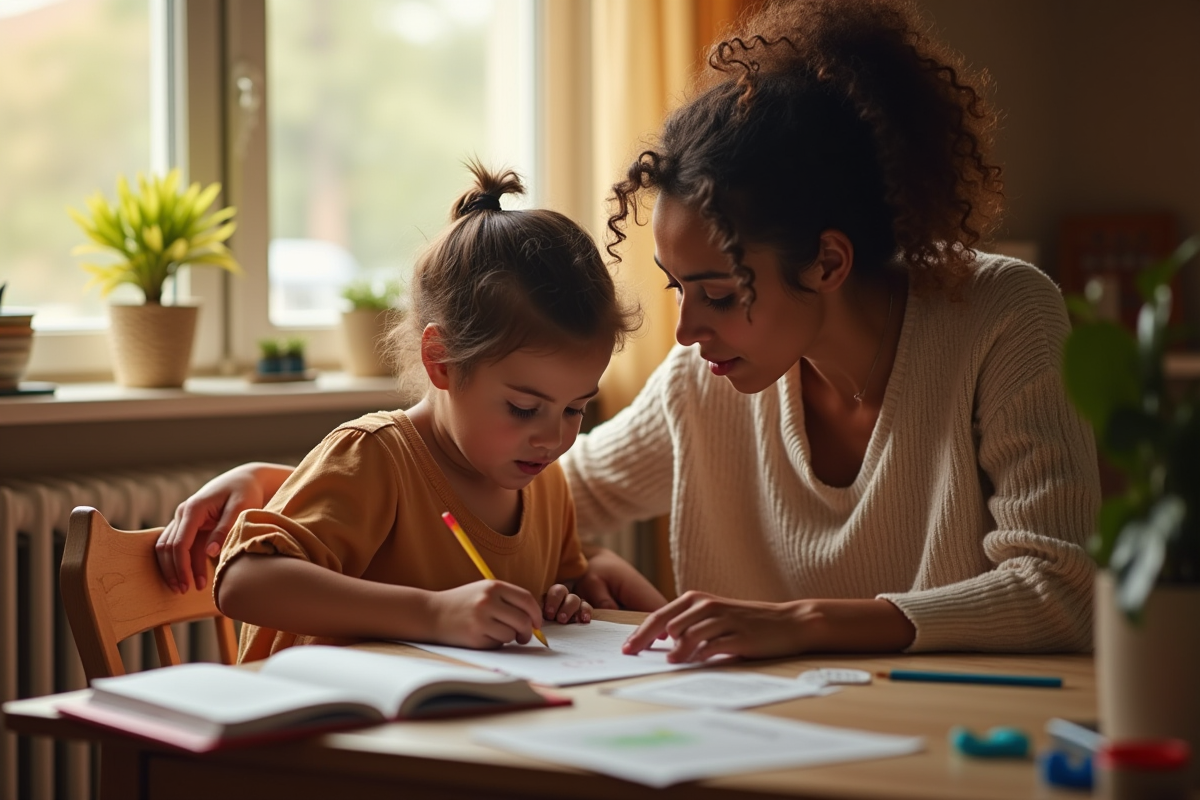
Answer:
[(531, 467), (722, 367)]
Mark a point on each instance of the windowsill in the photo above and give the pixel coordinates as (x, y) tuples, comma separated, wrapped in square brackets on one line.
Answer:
[(207, 397)]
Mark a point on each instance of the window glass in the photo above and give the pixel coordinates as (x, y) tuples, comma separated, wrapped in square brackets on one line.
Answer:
[(74, 113), (373, 106)]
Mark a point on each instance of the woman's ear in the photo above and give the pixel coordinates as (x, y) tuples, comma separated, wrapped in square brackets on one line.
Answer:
[(433, 357), (835, 259)]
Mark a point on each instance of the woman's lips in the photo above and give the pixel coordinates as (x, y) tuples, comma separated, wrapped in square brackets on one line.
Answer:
[(531, 467), (722, 367)]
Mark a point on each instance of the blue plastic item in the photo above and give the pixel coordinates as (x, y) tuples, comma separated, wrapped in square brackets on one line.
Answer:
[(1004, 742), (1059, 769)]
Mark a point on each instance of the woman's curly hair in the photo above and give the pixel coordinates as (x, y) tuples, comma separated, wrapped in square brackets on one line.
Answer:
[(829, 114)]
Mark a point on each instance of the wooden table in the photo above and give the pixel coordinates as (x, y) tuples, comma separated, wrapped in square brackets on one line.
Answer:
[(435, 759)]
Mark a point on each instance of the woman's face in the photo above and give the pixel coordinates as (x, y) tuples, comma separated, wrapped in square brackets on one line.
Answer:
[(753, 353)]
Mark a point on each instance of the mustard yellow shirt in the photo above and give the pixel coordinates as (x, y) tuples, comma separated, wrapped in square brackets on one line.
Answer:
[(367, 502)]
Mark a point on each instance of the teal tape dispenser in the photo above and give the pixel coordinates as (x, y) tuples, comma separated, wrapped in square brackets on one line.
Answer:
[(1002, 742)]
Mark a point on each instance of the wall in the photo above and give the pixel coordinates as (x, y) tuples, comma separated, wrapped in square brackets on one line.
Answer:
[(1101, 102)]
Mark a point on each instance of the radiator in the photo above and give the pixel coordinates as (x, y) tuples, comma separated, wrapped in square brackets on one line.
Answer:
[(37, 653)]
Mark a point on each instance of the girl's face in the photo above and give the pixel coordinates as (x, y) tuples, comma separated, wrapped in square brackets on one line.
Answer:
[(509, 420), (752, 354)]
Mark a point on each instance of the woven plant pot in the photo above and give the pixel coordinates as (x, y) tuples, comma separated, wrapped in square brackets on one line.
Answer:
[(151, 344), (364, 332), (16, 343)]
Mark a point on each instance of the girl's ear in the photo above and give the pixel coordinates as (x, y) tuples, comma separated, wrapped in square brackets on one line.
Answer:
[(835, 259), (433, 357)]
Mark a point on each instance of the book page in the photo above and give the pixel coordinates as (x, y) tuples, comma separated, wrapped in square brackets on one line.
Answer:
[(383, 680), (663, 749), (209, 697), (577, 654)]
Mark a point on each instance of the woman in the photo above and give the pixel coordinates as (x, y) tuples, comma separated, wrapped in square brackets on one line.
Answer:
[(869, 447)]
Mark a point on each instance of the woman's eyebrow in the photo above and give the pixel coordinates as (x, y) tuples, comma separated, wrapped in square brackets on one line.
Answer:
[(699, 276), (542, 395)]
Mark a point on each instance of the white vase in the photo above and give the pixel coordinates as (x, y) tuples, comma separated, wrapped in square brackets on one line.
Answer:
[(1148, 675), (364, 335), (152, 344)]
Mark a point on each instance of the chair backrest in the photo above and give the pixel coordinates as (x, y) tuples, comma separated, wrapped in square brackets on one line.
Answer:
[(112, 589)]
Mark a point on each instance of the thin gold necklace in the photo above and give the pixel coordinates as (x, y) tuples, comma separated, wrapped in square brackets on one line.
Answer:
[(858, 396)]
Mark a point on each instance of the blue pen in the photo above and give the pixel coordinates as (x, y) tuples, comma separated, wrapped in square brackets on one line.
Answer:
[(965, 677)]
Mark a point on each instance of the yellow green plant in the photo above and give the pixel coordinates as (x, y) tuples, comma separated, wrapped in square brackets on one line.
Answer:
[(155, 231)]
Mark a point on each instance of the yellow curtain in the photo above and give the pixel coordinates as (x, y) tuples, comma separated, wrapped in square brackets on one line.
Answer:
[(644, 54)]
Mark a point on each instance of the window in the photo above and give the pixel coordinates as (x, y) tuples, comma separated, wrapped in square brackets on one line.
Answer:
[(78, 108), (342, 148), (365, 112), (374, 105)]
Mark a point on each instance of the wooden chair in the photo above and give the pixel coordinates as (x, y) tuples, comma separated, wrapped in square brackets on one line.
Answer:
[(112, 589)]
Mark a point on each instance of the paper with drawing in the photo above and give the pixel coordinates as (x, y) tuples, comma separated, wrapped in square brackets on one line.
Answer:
[(663, 749), (577, 654)]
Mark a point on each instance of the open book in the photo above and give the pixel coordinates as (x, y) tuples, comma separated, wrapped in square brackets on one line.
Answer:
[(203, 707)]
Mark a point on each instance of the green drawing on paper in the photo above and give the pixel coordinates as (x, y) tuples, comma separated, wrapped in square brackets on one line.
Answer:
[(660, 737)]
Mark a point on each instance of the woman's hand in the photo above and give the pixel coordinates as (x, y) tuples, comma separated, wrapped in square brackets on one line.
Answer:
[(612, 582), (484, 615), (202, 522), (563, 606), (704, 625)]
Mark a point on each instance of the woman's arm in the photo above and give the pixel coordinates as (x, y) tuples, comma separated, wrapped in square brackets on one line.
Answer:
[(612, 582), (294, 595), (202, 522), (704, 625), (622, 471)]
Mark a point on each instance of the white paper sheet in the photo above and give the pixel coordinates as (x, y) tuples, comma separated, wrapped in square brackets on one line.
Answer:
[(727, 690), (577, 654), (663, 749)]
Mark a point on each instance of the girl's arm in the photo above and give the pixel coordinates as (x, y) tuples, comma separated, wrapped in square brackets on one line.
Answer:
[(202, 522), (294, 595)]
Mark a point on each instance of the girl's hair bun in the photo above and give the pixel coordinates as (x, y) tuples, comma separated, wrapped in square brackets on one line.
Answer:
[(489, 188)]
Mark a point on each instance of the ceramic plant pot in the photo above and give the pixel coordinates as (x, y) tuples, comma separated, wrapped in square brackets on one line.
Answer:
[(1148, 675), (16, 343), (152, 344), (363, 334)]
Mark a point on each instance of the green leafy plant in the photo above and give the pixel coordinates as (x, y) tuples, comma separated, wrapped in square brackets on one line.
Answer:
[(367, 295), (1151, 532), (155, 231), (293, 347), (269, 348)]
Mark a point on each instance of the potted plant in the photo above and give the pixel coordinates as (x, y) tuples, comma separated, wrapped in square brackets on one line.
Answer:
[(270, 358), (154, 231), (16, 343), (373, 312), (293, 354), (1147, 542)]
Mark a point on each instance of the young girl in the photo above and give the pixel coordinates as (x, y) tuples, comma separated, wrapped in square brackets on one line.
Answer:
[(516, 317)]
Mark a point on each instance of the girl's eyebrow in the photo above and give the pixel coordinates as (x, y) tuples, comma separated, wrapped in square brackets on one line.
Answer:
[(699, 276), (534, 392)]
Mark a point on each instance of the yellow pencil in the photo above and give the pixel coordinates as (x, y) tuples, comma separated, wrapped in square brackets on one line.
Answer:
[(461, 535)]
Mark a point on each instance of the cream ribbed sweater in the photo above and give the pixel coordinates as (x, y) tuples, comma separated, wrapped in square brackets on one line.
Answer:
[(978, 488)]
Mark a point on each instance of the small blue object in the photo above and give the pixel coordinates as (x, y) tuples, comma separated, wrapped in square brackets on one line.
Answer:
[(1058, 769), (1003, 742)]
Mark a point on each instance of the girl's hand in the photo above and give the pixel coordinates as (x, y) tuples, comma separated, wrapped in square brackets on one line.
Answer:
[(202, 522), (704, 625), (563, 606), (484, 615), (612, 582)]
